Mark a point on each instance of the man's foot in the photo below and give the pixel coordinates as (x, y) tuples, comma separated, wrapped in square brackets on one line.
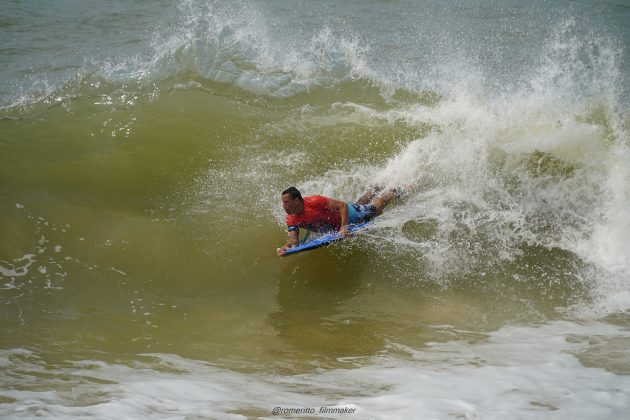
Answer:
[(402, 191)]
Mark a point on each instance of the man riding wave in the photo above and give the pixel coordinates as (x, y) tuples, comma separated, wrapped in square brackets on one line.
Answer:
[(320, 214)]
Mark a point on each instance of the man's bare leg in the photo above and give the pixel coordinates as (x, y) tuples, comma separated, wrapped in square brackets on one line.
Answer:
[(383, 200), (369, 195)]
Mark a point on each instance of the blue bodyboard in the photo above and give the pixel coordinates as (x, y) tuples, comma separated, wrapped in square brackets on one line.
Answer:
[(323, 240)]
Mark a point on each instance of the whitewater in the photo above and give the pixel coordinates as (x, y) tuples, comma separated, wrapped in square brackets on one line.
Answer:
[(143, 149)]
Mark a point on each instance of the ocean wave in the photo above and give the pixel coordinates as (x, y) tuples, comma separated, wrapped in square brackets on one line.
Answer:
[(238, 46), (510, 170), (467, 378)]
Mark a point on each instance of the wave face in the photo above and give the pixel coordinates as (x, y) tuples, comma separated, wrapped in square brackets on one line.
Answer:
[(143, 148)]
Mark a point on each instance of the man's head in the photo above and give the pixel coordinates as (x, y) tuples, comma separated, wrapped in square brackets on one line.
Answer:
[(292, 201)]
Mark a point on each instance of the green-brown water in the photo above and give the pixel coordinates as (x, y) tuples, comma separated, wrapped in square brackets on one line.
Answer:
[(143, 149)]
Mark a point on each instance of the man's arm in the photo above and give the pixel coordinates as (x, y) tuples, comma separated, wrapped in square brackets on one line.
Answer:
[(294, 238), (343, 212)]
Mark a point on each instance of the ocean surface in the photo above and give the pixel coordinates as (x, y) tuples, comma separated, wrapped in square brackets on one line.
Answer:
[(143, 148)]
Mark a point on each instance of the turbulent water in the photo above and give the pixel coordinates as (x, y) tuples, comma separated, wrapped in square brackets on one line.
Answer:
[(143, 149)]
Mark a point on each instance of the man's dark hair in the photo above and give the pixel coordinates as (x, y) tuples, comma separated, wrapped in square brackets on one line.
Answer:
[(293, 192)]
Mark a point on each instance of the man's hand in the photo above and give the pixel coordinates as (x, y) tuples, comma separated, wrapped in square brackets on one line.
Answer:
[(294, 238), (343, 214)]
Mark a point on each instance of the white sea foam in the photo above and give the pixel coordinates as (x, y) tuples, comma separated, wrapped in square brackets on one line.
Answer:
[(517, 372), (541, 161), (19, 267)]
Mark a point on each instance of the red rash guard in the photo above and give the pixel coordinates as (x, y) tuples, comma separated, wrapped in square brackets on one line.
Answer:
[(316, 216)]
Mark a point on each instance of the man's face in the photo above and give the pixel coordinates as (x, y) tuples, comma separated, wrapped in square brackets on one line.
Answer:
[(291, 206)]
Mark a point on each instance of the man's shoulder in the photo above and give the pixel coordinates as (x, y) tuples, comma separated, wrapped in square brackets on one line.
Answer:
[(291, 219), (316, 200)]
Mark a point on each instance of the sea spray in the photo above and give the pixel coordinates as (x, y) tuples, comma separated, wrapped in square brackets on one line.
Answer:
[(143, 148)]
